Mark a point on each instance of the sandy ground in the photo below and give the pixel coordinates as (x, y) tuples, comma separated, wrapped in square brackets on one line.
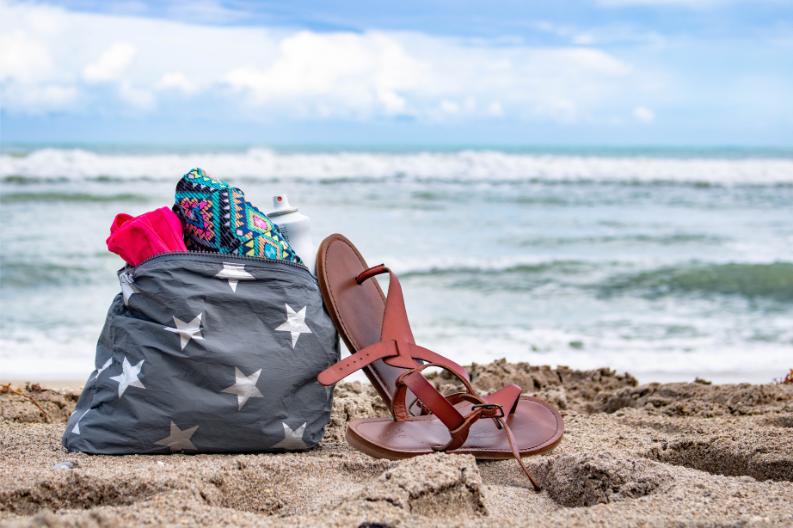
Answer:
[(688, 454)]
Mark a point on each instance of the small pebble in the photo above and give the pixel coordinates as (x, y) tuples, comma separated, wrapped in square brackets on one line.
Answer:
[(66, 464)]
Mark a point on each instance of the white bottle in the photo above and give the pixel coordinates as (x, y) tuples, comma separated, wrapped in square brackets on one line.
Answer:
[(296, 228)]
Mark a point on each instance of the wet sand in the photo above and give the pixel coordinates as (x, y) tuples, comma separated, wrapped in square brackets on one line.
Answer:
[(633, 455)]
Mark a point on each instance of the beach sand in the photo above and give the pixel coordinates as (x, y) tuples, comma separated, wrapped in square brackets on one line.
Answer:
[(633, 455)]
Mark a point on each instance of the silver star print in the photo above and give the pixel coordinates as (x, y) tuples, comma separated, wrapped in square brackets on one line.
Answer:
[(244, 387), (179, 439), (128, 289), (103, 368), (76, 428), (234, 273), (295, 324), (128, 377), (187, 331), (293, 438)]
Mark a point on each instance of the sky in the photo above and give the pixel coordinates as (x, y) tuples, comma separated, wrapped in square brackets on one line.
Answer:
[(588, 72)]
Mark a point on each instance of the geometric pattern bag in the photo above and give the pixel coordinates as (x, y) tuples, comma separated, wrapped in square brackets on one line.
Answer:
[(208, 353), (217, 218)]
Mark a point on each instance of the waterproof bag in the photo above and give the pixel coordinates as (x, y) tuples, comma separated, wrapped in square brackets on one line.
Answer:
[(210, 353)]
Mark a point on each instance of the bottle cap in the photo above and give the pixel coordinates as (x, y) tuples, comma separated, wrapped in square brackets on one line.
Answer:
[(281, 206)]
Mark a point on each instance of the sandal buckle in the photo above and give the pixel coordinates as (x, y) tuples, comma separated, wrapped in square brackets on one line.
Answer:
[(490, 407), (417, 403)]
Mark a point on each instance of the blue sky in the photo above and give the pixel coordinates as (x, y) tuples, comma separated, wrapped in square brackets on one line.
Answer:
[(676, 72)]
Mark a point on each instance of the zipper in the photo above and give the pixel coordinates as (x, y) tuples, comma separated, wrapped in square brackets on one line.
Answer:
[(225, 255)]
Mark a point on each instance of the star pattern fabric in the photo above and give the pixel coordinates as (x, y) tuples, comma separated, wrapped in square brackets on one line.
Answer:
[(187, 331), (128, 289), (103, 368), (76, 428), (166, 394), (179, 439), (293, 438), (128, 377), (244, 387), (295, 324), (234, 273)]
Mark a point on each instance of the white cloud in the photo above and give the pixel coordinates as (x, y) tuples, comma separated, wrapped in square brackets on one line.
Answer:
[(495, 109), (284, 73), (356, 74), (28, 75), (111, 64), (38, 98), (392, 102), (364, 74), (176, 81), (449, 107), (136, 97), (600, 35), (643, 114), (23, 58)]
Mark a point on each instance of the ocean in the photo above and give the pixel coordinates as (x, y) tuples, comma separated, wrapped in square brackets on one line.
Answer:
[(670, 264)]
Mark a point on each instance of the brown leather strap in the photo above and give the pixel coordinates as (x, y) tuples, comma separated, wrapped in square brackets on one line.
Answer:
[(340, 370), (516, 453), (397, 353), (492, 406), (395, 319), (506, 397), (430, 398), (440, 406), (460, 435), (434, 402), (396, 326), (427, 395), (396, 346), (443, 408), (425, 354), (370, 272)]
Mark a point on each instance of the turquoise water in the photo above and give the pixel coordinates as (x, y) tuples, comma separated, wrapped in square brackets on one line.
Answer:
[(670, 263)]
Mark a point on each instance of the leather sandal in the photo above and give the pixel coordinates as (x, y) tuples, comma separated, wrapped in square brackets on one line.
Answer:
[(376, 330)]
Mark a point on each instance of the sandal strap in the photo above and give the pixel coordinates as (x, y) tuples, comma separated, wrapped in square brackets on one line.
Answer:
[(396, 346), (395, 319), (397, 327), (498, 406), (442, 407), (516, 453), (405, 353), (431, 400), (506, 397)]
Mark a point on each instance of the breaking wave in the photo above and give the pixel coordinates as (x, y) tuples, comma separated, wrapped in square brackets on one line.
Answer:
[(753, 281), (771, 281), (53, 164)]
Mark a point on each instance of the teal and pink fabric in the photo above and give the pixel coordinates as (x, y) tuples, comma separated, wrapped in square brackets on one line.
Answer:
[(217, 218)]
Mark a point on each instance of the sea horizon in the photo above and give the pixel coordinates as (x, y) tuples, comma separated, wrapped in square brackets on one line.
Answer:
[(730, 150)]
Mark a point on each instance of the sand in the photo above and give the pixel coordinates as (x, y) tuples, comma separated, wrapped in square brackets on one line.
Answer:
[(681, 454)]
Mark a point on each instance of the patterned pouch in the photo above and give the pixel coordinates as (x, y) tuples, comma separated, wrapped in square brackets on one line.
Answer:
[(217, 219)]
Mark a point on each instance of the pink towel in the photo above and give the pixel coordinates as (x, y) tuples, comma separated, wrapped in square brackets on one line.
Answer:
[(136, 238)]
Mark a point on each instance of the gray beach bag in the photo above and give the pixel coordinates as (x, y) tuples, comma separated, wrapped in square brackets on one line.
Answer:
[(209, 353)]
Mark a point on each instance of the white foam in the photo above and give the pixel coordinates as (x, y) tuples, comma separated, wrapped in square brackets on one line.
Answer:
[(44, 359), (259, 163), (659, 360), (41, 357)]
